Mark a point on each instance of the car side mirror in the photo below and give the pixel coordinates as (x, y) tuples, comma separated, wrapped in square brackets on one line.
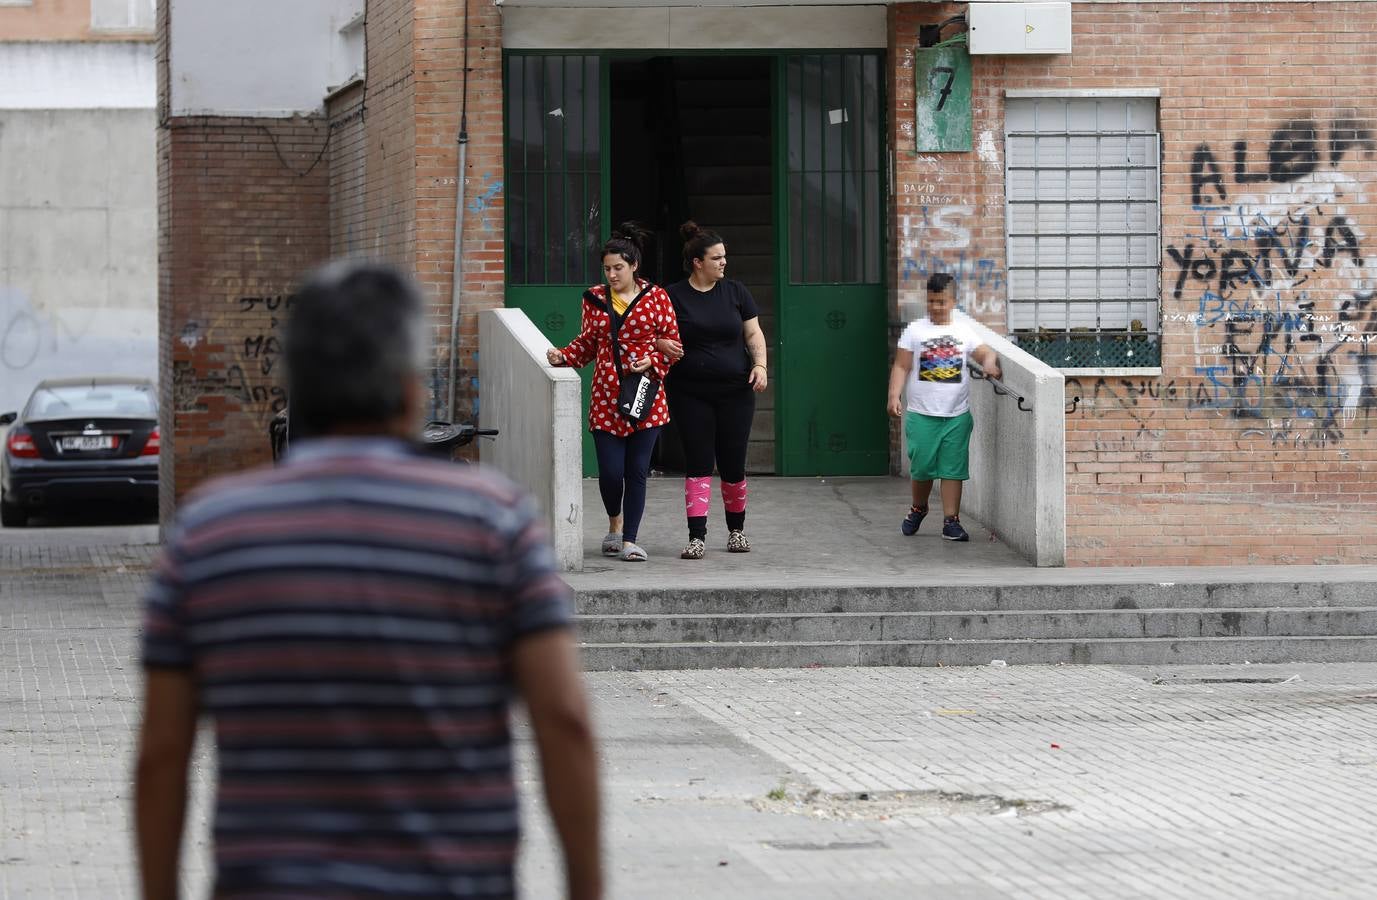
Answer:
[(8, 417)]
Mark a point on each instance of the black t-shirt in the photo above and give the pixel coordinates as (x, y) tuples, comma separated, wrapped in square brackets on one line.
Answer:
[(710, 325)]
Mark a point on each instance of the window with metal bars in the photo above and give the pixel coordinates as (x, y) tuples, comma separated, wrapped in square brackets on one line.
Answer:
[(1083, 224), (835, 159), (554, 169)]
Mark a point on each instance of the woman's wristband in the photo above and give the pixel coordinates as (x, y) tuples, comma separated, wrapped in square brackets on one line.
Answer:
[(758, 366)]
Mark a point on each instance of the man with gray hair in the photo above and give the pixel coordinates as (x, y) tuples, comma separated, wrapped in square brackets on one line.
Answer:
[(355, 623)]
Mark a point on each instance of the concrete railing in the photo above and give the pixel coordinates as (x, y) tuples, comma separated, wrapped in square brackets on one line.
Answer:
[(538, 413), (1018, 458)]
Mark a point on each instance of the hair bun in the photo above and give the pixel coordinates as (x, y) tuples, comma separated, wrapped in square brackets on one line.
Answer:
[(689, 230), (634, 232)]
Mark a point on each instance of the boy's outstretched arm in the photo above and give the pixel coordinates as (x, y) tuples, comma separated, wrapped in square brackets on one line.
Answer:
[(988, 359), (898, 377)]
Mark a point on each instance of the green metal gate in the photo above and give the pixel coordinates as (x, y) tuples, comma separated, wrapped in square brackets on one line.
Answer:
[(833, 311), (555, 192)]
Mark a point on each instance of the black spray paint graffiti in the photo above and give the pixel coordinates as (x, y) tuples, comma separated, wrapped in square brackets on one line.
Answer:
[(1284, 275), (1140, 399), (1294, 152), (190, 389), (1143, 402), (264, 348), (251, 379)]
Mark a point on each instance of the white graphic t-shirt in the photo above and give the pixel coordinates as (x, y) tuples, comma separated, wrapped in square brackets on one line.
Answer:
[(938, 384)]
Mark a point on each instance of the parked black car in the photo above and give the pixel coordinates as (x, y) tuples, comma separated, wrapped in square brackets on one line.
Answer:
[(80, 441)]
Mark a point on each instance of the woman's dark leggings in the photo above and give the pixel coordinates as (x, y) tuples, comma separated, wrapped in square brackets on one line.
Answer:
[(623, 465), (715, 426)]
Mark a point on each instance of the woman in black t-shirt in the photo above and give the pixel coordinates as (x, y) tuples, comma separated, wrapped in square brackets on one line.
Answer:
[(712, 388)]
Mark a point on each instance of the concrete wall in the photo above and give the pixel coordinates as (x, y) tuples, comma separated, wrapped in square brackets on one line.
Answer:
[(657, 27), (257, 57), (69, 75), (537, 410), (78, 246), (1018, 458)]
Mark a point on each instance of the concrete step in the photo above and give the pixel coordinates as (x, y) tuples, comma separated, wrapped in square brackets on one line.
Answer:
[(976, 598), (1100, 651), (978, 626)]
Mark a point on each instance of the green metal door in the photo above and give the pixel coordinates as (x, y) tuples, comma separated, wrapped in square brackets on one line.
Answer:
[(556, 191), (833, 311)]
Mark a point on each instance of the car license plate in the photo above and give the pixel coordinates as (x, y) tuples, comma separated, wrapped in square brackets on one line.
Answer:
[(89, 442)]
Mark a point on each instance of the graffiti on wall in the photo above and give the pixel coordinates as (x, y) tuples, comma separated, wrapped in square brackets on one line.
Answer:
[(250, 378), (38, 341), (1282, 279), (938, 239), (489, 190)]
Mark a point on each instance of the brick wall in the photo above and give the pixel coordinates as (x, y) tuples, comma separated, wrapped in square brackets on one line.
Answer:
[(244, 212), (347, 115), (439, 52), (1257, 443), (166, 420), (385, 227)]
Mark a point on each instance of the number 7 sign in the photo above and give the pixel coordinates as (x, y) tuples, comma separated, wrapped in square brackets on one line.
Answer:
[(942, 102)]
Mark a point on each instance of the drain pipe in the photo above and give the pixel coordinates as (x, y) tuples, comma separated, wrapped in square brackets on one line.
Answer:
[(456, 291)]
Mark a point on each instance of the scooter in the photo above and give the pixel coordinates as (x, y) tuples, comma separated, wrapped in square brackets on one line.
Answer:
[(437, 438)]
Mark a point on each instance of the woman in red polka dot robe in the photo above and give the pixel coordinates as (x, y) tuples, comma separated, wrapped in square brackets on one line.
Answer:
[(643, 314)]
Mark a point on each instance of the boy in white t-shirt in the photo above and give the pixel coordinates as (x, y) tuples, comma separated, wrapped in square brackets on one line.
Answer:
[(931, 361)]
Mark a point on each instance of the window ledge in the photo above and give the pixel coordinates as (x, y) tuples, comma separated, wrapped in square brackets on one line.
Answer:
[(351, 81), (1128, 371)]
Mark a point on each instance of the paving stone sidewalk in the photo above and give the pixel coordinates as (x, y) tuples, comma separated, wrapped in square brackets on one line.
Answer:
[(1241, 781), (1065, 782)]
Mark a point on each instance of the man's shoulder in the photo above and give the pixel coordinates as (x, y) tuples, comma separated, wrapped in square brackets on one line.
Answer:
[(216, 496)]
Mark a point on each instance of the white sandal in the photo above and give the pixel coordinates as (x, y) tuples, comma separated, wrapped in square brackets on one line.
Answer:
[(632, 553), (612, 543)]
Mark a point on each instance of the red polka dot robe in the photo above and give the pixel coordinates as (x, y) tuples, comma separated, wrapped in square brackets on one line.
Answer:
[(650, 317)]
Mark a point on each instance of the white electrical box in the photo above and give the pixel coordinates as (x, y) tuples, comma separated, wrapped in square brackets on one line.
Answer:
[(1019, 28)]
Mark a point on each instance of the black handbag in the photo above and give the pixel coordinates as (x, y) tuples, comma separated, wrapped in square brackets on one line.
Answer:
[(637, 390)]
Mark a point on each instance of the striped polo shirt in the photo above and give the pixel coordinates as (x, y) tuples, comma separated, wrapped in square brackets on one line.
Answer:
[(348, 617)]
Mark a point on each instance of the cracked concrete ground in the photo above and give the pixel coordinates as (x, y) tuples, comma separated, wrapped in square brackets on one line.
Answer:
[(1243, 781)]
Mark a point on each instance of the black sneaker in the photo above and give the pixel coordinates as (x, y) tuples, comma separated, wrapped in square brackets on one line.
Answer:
[(911, 521), (952, 530)]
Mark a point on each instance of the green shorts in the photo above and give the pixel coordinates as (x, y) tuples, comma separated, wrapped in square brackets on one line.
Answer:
[(938, 446)]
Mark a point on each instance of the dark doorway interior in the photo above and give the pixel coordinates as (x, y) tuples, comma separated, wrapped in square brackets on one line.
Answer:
[(691, 139)]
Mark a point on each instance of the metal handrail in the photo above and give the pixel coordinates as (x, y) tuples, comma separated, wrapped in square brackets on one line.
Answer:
[(977, 371)]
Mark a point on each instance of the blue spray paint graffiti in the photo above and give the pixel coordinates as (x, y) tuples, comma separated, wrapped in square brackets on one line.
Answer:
[(938, 240), (483, 200)]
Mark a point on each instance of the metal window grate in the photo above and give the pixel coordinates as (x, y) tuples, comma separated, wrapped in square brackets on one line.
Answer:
[(554, 169), (1083, 226), (835, 163)]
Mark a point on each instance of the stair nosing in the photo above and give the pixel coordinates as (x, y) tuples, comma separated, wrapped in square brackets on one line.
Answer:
[(1186, 610), (955, 642)]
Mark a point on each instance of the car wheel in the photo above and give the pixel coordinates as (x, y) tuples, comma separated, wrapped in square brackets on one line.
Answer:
[(12, 515)]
